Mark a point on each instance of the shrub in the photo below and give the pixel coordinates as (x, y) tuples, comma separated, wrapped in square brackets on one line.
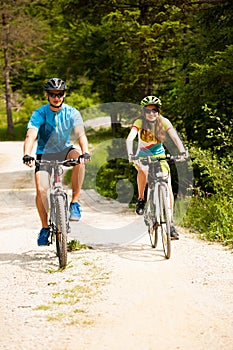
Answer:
[(210, 210)]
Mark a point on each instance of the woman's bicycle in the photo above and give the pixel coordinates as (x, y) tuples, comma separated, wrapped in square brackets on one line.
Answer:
[(58, 206), (157, 214)]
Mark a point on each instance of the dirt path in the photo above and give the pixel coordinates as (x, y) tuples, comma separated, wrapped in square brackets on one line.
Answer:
[(112, 296)]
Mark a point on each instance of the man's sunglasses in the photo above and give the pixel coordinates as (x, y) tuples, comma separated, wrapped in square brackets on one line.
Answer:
[(53, 95), (148, 111)]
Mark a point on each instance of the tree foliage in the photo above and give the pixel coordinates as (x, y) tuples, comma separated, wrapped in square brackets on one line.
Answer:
[(178, 50), (112, 51)]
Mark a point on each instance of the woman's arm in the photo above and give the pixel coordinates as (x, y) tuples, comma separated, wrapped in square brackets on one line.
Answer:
[(175, 138), (129, 141)]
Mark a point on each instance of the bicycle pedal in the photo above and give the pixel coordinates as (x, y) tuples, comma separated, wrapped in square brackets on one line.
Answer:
[(51, 242)]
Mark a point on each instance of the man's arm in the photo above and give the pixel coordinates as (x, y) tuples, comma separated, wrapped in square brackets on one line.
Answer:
[(83, 143), (29, 141), (82, 139)]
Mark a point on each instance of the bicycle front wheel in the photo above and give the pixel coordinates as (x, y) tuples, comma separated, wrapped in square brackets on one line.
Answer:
[(165, 222), (153, 233), (61, 230), (149, 218)]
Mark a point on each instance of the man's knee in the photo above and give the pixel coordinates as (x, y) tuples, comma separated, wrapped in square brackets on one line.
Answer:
[(74, 153), (41, 191)]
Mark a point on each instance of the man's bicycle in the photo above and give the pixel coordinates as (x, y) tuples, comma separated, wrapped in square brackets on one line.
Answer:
[(58, 206), (157, 214)]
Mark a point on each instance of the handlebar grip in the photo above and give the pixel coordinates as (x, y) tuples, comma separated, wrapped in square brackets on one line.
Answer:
[(27, 159), (85, 156), (71, 162)]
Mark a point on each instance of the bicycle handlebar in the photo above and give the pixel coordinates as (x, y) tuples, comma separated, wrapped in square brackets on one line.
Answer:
[(153, 159), (66, 162)]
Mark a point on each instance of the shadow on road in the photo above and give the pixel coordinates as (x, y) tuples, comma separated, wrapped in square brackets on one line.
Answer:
[(137, 252), (31, 260)]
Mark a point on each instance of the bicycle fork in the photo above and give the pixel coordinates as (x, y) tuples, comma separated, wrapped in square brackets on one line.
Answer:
[(52, 218)]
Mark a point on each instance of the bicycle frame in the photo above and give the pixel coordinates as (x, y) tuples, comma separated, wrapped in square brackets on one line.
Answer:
[(156, 179), (157, 214), (56, 190), (58, 207)]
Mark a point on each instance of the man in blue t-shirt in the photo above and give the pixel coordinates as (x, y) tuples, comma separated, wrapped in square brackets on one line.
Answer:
[(51, 125)]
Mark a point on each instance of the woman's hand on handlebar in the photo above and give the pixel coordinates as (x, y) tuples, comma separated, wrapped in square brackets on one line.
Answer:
[(182, 156), (130, 157)]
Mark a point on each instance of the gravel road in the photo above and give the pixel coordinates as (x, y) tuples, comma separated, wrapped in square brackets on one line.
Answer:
[(113, 296)]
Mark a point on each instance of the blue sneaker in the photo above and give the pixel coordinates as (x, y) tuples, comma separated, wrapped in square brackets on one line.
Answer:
[(43, 238), (75, 211)]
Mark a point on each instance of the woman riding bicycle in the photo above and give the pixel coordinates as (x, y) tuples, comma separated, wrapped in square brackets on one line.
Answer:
[(151, 128)]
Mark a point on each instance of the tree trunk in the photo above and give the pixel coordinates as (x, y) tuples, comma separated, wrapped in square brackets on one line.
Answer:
[(10, 124), (114, 123)]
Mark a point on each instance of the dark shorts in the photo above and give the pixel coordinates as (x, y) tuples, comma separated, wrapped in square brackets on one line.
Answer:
[(60, 156)]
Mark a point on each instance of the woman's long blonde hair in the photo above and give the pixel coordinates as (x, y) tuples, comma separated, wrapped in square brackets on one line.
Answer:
[(157, 134)]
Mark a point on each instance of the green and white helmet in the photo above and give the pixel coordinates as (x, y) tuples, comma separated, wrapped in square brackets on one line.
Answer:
[(151, 100)]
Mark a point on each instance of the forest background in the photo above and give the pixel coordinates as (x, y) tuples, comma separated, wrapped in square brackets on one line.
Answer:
[(112, 52)]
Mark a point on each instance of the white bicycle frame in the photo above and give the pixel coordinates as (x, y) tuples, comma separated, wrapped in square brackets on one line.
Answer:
[(161, 180), (156, 199)]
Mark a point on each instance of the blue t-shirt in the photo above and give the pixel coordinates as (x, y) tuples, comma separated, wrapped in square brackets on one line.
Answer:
[(54, 128)]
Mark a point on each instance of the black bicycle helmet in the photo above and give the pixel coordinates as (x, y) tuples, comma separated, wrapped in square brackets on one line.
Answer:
[(151, 100), (55, 84)]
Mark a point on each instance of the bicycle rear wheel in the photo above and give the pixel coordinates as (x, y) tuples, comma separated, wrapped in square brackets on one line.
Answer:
[(165, 222), (61, 230)]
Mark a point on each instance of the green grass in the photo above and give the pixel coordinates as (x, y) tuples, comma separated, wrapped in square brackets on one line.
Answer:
[(99, 155), (43, 307), (70, 305), (18, 134), (96, 137), (20, 118), (74, 245), (211, 218)]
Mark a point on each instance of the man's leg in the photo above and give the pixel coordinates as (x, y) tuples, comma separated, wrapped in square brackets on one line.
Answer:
[(42, 185), (77, 177), (78, 173)]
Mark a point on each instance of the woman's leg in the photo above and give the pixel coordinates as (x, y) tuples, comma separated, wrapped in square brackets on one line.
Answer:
[(141, 181)]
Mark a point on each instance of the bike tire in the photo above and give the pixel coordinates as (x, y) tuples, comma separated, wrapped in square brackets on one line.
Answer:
[(149, 218), (165, 222), (153, 234), (61, 231)]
